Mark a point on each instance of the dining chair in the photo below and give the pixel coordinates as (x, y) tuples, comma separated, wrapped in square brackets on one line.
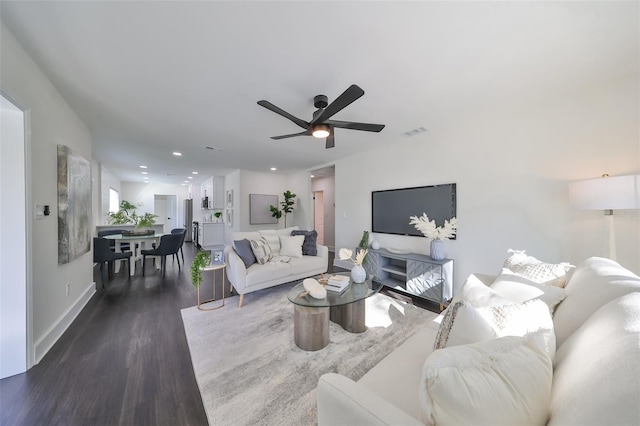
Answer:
[(169, 245), (112, 243), (182, 231), (103, 254)]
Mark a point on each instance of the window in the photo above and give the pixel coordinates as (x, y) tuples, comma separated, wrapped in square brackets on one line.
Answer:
[(114, 200)]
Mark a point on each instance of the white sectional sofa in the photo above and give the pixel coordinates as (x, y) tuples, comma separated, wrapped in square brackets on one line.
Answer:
[(586, 371), (279, 270)]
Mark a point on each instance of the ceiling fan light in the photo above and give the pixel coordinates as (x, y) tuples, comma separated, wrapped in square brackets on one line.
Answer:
[(320, 131)]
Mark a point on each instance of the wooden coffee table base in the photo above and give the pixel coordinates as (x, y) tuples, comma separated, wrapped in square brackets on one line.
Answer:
[(351, 316), (311, 327)]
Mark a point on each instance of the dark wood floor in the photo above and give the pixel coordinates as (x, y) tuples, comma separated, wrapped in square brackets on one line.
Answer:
[(123, 361)]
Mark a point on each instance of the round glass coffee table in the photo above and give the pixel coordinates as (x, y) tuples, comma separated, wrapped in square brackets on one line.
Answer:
[(312, 316)]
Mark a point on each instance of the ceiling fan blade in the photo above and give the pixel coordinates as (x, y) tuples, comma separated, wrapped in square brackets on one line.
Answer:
[(268, 105), (293, 135), (352, 93), (367, 127), (331, 142)]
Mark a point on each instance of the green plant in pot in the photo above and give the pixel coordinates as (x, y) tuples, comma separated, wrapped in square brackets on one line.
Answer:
[(124, 215), (363, 245), (287, 207), (201, 259), (218, 215)]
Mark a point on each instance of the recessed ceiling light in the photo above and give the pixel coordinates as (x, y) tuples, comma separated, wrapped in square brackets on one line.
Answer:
[(177, 154), (312, 176), (273, 169), (194, 173), (143, 167), (145, 173), (189, 177), (186, 181)]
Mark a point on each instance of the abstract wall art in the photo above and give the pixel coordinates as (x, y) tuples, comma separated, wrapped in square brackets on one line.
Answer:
[(74, 205)]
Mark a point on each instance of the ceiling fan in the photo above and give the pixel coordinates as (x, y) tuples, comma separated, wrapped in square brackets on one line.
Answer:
[(320, 125)]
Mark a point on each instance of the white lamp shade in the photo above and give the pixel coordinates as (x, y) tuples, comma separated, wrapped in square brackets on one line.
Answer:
[(607, 193)]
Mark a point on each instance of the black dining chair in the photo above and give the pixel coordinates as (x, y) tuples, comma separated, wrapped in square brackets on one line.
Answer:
[(103, 254), (182, 231), (169, 245)]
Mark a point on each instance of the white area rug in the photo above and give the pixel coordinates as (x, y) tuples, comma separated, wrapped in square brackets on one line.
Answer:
[(250, 372)]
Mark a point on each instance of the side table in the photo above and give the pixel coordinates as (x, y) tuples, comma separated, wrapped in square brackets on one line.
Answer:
[(213, 267)]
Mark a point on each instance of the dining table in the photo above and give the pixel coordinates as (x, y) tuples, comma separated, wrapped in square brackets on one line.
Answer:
[(137, 243)]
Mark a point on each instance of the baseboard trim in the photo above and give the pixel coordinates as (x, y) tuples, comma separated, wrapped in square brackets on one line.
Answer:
[(47, 341)]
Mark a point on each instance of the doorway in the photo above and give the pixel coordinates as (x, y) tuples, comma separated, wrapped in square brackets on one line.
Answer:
[(318, 215), (324, 206), (166, 208), (15, 337)]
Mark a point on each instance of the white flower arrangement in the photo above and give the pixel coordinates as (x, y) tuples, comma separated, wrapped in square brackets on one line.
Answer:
[(430, 230), (346, 254)]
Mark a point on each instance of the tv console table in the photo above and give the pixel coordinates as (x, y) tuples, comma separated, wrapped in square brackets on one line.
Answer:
[(412, 273)]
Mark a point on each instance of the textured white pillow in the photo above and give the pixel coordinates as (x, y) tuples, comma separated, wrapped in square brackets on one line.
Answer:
[(271, 237), (261, 250), (522, 264), (505, 381), (521, 289), (478, 294), (596, 377), (595, 282), (291, 246), (463, 324)]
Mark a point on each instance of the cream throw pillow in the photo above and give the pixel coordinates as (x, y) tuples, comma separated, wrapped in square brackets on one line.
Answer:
[(291, 246), (505, 381), (536, 270), (271, 237), (261, 250), (520, 289), (463, 324)]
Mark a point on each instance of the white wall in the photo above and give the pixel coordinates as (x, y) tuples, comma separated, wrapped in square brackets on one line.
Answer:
[(52, 122), (512, 168), (107, 181), (143, 194), (257, 183)]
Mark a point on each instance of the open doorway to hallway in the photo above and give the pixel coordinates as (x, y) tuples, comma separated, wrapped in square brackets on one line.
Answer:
[(323, 192)]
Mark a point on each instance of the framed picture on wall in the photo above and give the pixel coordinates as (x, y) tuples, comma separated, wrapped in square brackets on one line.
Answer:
[(229, 217), (229, 198)]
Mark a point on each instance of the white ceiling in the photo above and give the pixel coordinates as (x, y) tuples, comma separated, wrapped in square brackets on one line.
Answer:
[(152, 77)]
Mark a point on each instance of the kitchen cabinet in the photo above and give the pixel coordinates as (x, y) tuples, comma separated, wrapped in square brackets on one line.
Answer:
[(210, 234), (213, 189)]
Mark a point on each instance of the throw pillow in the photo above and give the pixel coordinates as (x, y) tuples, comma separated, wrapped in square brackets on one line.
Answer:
[(272, 238), (595, 282), (537, 271), (309, 247), (520, 289), (261, 250), (505, 381), (479, 294), (243, 248), (463, 324), (596, 371), (291, 246)]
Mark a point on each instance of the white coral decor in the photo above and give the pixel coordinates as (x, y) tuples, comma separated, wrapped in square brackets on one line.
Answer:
[(345, 254), (430, 230)]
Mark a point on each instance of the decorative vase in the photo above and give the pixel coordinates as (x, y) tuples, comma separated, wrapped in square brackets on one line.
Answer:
[(437, 249), (375, 245), (358, 274)]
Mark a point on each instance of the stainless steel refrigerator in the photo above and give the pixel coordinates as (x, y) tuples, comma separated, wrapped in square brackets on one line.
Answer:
[(188, 218)]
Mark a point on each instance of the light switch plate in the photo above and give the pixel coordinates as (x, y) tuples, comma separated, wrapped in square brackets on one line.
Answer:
[(39, 211)]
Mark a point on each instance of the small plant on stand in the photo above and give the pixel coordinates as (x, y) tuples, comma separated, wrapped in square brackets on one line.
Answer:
[(201, 259)]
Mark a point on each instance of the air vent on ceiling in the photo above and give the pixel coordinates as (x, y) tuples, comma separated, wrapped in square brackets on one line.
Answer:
[(414, 132), (213, 148)]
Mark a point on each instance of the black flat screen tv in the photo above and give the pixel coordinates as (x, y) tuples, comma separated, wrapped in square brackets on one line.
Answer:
[(391, 209)]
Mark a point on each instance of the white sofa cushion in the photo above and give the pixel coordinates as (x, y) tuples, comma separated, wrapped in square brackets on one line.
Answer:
[(479, 294), (594, 283), (291, 246), (505, 381), (258, 274), (520, 289), (597, 369), (536, 270), (463, 324)]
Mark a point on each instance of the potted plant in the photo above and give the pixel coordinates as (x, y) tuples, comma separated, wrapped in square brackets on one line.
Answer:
[(127, 214), (201, 259), (287, 207), (358, 273), (218, 215), (437, 234)]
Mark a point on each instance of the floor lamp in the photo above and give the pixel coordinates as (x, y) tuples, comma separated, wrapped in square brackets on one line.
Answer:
[(608, 194)]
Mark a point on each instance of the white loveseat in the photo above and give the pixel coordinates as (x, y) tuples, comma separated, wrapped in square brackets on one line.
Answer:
[(277, 271), (595, 375)]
